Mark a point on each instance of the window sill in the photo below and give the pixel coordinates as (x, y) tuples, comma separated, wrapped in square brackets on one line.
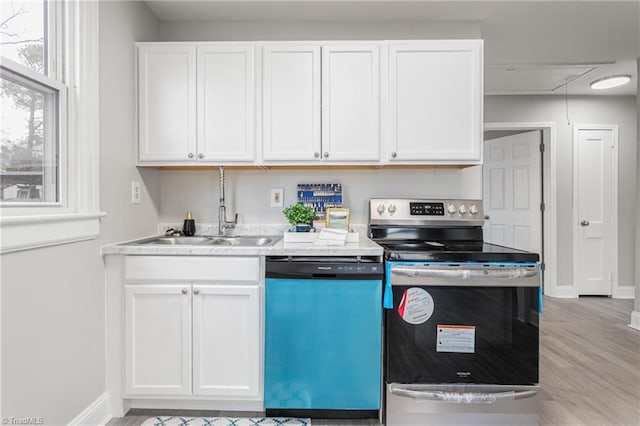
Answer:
[(31, 232)]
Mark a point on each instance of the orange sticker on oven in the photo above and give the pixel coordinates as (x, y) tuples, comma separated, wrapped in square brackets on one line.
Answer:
[(416, 306)]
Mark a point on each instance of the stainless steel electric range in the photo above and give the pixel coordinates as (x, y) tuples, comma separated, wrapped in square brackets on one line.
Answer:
[(461, 324)]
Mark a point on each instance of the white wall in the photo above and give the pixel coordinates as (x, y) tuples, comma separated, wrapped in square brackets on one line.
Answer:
[(247, 191), (53, 299), (281, 30), (619, 110)]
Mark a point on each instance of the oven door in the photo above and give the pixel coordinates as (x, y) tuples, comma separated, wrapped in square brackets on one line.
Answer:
[(463, 323)]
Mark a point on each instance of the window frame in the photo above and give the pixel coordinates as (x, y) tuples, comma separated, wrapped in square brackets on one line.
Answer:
[(75, 72)]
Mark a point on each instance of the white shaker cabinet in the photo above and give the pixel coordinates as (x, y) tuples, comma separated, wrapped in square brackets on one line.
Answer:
[(166, 103), (435, 99), (351, 102), (226, 97), (193, 327), (321, 103), (196, 103), (158, 339), (226, 340), (291, 102)]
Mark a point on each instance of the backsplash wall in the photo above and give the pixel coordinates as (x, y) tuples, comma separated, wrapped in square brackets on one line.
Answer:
[(247, 191)]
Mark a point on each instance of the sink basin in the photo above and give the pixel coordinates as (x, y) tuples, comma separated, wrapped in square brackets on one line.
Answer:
[(241, 241), (174, 241)]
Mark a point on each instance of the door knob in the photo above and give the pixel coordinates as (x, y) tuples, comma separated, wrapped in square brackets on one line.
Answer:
[(584, 223), (486, 217)]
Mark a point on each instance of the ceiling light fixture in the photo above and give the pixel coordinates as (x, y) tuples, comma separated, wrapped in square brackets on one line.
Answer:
[(610, 82)]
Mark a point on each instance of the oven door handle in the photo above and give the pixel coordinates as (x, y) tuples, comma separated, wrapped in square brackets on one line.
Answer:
[(465, 274), (461, 397)]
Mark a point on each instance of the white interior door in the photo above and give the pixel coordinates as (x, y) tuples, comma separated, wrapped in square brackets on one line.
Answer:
[(512, 191), (594, 180)]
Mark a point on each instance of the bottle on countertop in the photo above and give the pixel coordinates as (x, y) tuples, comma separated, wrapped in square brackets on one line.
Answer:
[(189, 227)]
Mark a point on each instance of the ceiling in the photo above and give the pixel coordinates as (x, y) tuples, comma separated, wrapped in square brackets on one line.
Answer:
[(531, 47)]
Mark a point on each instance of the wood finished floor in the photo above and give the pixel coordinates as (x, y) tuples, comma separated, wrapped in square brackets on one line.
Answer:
[(589, 368)]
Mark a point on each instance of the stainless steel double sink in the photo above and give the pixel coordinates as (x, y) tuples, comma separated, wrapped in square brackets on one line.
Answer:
[(239, 241)]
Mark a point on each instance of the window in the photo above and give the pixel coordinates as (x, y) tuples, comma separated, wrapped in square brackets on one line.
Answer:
[(49, 126), (31, 102)]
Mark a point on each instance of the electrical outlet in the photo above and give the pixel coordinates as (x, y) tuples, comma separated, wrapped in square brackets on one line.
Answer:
[(135, 192), (277, 197)]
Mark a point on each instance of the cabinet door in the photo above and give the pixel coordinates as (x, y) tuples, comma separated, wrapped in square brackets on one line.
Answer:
[(435, 101), (226, 340), (291, 102), (167, 103), (158, 340), (226, 103), (350, 102)]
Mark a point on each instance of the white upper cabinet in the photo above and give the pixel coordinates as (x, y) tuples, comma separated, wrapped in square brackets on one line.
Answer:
[(351, 102), (167, 102), (321, 103), (196, 103), (226, 103), (291, 102), (435, 102)]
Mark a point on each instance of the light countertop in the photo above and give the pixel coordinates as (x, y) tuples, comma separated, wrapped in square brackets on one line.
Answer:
[(364, 247)]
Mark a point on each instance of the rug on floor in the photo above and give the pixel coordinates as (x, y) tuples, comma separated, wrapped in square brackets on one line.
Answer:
[(225, 421)]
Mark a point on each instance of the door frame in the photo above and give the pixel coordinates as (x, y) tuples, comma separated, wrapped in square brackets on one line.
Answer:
[(616, 291), (549, 215)]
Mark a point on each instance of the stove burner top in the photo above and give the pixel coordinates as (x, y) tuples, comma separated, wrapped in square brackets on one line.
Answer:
[(428, 246)]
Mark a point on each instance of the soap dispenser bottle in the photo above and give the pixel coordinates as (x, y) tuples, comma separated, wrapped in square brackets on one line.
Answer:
[(189, 227)]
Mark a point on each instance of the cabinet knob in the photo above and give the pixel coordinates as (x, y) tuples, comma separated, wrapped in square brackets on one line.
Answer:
[(316, 154), (196, 291), (184, 291), (394, 154), (190, 155), (326, 155), (200, 155)]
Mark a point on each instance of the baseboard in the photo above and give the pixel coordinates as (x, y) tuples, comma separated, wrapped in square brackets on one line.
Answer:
[(561, 292), (624, 292), (221, 405), (95, 414), (635, 320)]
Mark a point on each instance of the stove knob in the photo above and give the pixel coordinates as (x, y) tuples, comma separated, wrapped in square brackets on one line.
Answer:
[(391, 208), (473, 209), (462, 209), (451, 209), (380, 208)]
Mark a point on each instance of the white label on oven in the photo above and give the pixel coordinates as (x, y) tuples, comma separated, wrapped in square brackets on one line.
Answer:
[(456, 338), (416, 306)]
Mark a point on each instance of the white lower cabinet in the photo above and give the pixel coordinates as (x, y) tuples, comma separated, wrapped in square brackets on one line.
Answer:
[(196, 338), (226, 337), (158, 339)]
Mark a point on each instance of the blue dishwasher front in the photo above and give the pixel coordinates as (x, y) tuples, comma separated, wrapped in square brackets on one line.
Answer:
[(323, 338)]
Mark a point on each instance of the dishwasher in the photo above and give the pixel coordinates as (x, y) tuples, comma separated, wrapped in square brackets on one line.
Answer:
[(323, 336)]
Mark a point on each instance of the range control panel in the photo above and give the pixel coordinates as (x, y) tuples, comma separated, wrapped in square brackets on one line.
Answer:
[(416, 211)]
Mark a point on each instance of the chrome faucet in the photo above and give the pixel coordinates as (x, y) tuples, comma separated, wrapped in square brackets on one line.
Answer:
[(223, 223)]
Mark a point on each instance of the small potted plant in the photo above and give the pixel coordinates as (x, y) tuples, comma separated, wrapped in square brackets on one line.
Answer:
[(300, 216)]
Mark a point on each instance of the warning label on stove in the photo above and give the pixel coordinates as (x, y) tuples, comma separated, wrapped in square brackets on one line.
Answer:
[(416, 306), (456, 338)]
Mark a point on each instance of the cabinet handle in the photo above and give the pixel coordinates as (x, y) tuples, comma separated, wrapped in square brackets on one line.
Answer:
[(200, 155), (316, 154), (394, 154), (184, 291), (326, 155), (196, 291), (190, 155)]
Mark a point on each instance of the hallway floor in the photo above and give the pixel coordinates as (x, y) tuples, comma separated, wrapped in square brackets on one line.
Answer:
[(589, 368)]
